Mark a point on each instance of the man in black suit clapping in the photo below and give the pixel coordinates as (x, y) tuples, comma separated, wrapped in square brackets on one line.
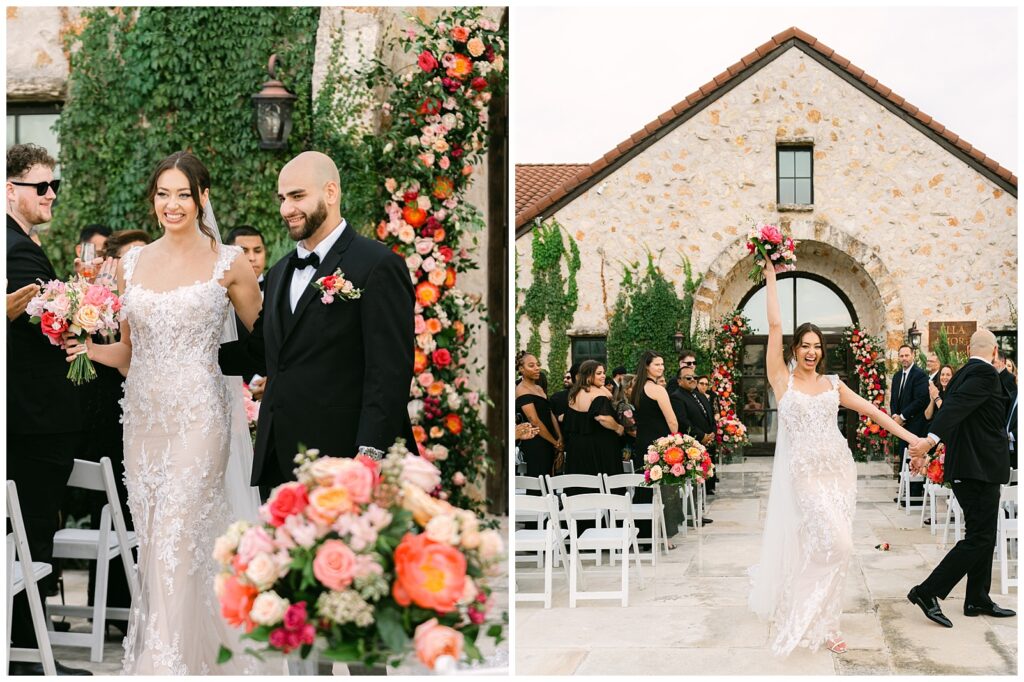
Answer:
[(972, 423)]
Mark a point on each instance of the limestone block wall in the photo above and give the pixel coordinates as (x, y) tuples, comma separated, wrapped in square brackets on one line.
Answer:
[(37, 68), (913, 233)]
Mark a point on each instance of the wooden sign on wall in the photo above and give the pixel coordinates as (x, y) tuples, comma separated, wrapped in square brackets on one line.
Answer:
[(959, 334)]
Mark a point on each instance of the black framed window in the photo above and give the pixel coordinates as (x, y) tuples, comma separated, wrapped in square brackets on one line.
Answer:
[(589, 348), (795, 166), (34, 123)]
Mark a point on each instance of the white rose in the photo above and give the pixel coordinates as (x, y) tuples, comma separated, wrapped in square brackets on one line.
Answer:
[(262, 571), (304, 534), (491, 545), (437, 277), (420, 473), (440, 452), (268, 608), (415, 407), (224, 549), (656, 473), (469, 592), (414, 261), (443, 528)]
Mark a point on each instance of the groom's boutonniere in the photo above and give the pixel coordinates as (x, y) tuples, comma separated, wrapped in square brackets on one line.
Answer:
[(336, 285)]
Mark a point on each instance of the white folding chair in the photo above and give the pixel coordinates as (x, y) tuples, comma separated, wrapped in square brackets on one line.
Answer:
[(100, 545), (653, 511), (691, 498), (23, 574), (906, 478), (548, 540), (955, 514), (524, 484), (933, 492), (1006, 530), (599, 539), (556, 484)]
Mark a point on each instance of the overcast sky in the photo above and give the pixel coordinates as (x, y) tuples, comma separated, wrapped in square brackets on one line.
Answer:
[(584, 80)]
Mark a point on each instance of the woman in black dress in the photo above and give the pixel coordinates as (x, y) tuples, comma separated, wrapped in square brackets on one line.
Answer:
[(591, 431), (532, 403)]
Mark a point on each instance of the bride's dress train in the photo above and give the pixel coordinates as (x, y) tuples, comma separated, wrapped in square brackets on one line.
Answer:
[(807, 545), (177, 439)]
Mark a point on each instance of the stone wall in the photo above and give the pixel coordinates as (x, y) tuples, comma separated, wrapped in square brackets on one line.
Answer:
[(906, 229), (37, 67)]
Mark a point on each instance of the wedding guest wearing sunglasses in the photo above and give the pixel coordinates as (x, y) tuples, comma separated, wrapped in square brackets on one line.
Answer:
[(42, 405)]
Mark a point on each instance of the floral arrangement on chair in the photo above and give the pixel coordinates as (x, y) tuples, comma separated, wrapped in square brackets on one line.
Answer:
[(675, 459), (356, 559)]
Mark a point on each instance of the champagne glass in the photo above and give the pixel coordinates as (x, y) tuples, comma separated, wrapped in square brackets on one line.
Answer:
[(88, 256)]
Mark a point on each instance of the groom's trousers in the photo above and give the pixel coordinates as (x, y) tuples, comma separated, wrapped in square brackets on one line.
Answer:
[(972, 556)]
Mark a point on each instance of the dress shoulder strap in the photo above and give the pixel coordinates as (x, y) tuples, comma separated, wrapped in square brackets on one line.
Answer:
[(128, 262), (834, 380), (226, 255)]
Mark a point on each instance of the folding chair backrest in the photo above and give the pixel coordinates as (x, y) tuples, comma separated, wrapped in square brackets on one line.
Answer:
[(618, 481), (1013, 476), (1007, 493), (537, 504), (530, 483), (87, 475), (556, 484), (575, 505)]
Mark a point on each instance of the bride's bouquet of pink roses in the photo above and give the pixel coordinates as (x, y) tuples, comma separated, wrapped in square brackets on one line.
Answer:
[(675, 459), (78, 307), (357, 558), (252, 411), (767, 243)]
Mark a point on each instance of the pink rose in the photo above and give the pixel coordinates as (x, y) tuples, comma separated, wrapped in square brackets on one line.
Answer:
[(427, 61), (653, 457), (295, 616), (255, 541), (358, 480), (677, 469), (770, 233), (460, 34), (287, 499), (278, 639), (334, 565), (419, 325), (432, 641), (425, 379)]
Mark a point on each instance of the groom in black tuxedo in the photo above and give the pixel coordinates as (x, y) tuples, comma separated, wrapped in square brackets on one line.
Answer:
[(338, 374), (972, 423)]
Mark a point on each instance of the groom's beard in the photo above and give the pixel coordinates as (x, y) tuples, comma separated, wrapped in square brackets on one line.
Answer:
[(313, 221)]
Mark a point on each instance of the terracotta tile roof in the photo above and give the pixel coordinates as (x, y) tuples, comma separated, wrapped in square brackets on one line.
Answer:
[(543, 188), (534, 180)]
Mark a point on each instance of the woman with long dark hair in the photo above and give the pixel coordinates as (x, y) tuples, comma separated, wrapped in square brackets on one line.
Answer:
[(654, 414), (532, 403), (591, 431), (807, 542), (937, 390)]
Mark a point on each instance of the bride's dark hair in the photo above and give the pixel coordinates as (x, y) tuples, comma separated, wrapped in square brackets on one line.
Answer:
[(798, 338), (198, 180)]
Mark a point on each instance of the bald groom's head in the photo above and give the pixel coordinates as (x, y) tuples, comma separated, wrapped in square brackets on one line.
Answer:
[(309, 189)]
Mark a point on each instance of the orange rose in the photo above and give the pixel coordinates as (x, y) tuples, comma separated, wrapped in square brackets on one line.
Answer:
[(449, 278), (420, 361), (673, 455), (433, 641), (430, 574), (443, 188), (462, 67), (436, 388), (459, 327), (419, 433), (236, 600), (433, 326), (327, 504), (439, 235), (453, 423), (382, 230), (427, 294)]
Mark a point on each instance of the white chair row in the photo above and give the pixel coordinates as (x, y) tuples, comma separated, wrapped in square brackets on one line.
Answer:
[(1007, 535), (906, 478), (550, 538), (102, 545)]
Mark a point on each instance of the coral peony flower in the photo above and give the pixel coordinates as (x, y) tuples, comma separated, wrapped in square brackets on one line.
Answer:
[(449, 278), (236, 600), (419, 433), (461, 67), (443, 188), (432, 641), (429, 574), (673, 455), (453, 423), (414, 215), (427, 294), (334, 565), (460, 34), (420, 361)]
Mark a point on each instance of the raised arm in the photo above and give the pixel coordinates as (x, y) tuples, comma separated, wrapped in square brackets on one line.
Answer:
[(851, 400), (775, 361)]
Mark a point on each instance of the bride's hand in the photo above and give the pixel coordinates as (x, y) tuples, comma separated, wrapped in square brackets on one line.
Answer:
[(73, 347)]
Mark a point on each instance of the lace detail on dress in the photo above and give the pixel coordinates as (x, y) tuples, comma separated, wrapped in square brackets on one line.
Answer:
[(824, 483), (176, 442)]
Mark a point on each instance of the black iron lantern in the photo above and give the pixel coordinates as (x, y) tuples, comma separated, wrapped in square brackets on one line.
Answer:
[(678, 339), (273, 110), (914, 336)]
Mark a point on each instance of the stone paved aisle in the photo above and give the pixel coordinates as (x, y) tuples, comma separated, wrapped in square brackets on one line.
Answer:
[(691, 617)]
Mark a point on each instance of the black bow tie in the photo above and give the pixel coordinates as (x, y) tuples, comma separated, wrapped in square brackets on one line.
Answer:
[(299, 263)]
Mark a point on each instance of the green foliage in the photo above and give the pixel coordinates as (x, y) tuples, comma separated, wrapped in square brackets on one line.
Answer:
[(947, 354), (552, 296), (647, 314), (150, 81)]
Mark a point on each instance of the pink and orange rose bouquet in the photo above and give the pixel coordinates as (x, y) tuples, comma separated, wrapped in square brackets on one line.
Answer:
[(935, 469), (768, 243), (79, 308), (675, 459), (357, 559)]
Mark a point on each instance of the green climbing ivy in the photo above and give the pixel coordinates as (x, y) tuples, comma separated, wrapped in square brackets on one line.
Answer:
[(647, 314), (946, 353), (552, 296), (146, 82)]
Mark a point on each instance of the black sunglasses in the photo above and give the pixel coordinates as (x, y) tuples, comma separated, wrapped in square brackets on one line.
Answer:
[(41, 187), (687, 363)]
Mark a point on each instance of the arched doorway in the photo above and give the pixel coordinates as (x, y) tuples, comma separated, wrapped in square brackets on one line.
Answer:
[(803, 297)]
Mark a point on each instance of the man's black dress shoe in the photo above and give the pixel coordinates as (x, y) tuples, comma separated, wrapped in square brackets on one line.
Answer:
[(705, 521), (990, 610), (24, 668), (930, 607)]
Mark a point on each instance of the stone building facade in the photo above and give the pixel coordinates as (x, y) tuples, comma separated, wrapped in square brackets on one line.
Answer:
[(909, 222)]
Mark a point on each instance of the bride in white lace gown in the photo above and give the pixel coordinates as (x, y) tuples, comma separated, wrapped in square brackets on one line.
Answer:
[(178, 407), (807, 544)]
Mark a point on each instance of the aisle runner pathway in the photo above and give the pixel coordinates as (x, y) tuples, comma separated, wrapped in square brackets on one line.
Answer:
[(692, 618)]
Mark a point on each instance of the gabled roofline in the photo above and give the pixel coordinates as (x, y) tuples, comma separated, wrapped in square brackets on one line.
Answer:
[(721, 84)]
